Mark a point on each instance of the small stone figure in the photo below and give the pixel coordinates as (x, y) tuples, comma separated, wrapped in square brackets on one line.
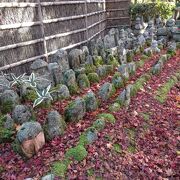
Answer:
[(159, 23), (138, 27), (154, 46)]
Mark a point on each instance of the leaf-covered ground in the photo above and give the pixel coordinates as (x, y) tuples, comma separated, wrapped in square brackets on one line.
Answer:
[(142, 144)]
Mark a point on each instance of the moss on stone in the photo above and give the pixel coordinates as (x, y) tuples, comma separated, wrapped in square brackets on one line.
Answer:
[(93, 77), (73, 89), (31, 95), (99, 124), (83, 81), (98, 61), (77, 153), (115, 107), (45, 104), (117, 80), (7, 107), (107, 117), (113, 61), (6, 135), (130, 56), (89, 68), (109, 69)]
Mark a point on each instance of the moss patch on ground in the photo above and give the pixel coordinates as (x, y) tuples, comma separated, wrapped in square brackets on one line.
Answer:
[(107, 117), (162, 92)]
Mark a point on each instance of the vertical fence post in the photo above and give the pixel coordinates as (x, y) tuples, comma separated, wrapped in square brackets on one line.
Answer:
[(86, 11), (42, 29)]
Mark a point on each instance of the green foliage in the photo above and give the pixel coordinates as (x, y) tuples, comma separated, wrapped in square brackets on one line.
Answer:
[(93, 77), (162, 92), (42, 96), (151, 10), (89, 68), (77, 153), (107, 117), (59, 168)]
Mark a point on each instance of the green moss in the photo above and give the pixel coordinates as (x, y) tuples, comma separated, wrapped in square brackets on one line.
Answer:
[(98, 61), (160, 47), (89, 68), (141, 49), (31, 95), (130, 56), (171, 52), (141, 62), (1, 169), (6, 135), (117, 148), (117, 80), (107, 117), (59, 168), (113, 61), (139, 83), (45, 104), (109, 69), (77, 153), (113, 91), (83, 141), (115, 107), (178, 45), (73, 89), (93, 77), (90, 172), (7, 107), (99, 124), (145, 116), (148, 43), (17, 147), (162, 92), (83, 81), (131, 148), (131, 132)]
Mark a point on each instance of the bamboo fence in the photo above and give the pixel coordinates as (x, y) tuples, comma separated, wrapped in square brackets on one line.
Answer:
[(32, 29)]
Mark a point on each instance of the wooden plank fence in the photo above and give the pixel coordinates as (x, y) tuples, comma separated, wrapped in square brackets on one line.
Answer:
[(32, 29)]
